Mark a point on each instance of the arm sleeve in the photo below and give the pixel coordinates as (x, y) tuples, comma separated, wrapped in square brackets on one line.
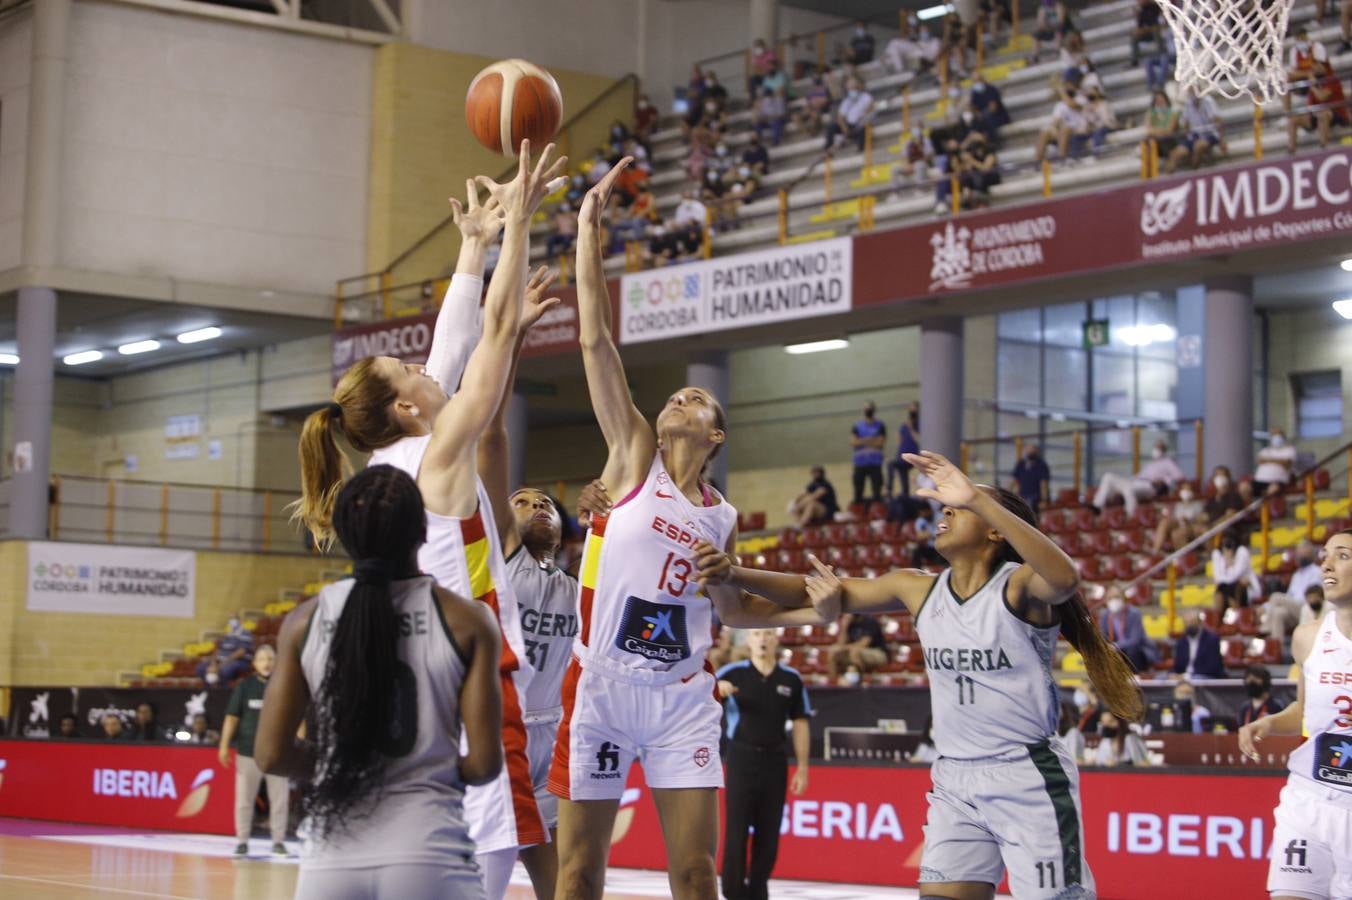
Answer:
[(233, 707), (459, 325), (801, 708)]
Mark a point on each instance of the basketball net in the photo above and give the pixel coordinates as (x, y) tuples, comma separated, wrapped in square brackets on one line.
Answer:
[(1229, 47)]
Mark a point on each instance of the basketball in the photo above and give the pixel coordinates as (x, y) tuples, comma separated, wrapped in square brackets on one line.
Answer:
[(510, 101)]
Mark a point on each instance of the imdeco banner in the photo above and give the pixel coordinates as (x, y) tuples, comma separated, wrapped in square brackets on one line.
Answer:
[(107, 579)]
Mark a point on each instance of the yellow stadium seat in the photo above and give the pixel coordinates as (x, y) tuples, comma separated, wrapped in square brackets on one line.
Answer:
[(1156, 627), (811, 236), (834, 212), (1073, 662), (873, 175)]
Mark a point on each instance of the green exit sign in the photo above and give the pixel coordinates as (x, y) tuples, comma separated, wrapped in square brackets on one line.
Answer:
[(1095, 333)]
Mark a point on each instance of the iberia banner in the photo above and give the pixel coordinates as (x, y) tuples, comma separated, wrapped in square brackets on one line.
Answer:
[(134, 785), (1149, 835), (107, 578), (759, 288)]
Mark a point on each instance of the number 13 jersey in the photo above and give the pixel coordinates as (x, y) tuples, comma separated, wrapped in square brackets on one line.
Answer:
[(991, 686), (643, 618)]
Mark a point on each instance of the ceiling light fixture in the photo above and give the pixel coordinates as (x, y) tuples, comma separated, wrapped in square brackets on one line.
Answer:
[(8, 359), (1347, 265), (1144, 335), (1341, 307), (933, 12), (84, 356), (199, 335), (817, 346), (136, 347)]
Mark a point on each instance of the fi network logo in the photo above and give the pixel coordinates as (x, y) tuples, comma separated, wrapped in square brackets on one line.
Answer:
[(608, 758)]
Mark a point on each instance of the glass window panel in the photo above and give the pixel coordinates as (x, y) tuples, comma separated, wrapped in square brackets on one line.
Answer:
[(1066, 384), (1319, 404), (1064, 324), (1019, 372), (1021, 324)]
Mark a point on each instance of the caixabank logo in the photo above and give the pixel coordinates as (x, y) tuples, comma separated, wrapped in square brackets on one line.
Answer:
[(155, 784)]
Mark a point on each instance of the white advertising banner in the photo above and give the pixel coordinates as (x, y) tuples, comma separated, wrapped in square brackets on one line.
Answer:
[(761, 288), (103, 578)]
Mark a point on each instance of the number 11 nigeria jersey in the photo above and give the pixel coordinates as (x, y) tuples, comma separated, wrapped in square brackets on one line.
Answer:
[(990, 672)]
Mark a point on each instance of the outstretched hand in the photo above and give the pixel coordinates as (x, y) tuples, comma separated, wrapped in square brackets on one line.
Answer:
[(824, 590), (951, 486), (537, 304), (477, 221), (589, 215), (521, 196)]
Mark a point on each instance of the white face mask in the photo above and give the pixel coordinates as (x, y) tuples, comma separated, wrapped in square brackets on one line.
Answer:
[(744, 171), (1157, 453), (722, 151), (1185, 496), (967, 117), (1115, 605), (1081, 698), (1278, 441), (1221, 482), (852, 678), (212, 678)]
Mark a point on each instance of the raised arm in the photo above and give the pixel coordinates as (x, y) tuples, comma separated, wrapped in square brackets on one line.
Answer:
[(460, 322), (1047, 575), (494, 446), (630, 441), (448, 470)]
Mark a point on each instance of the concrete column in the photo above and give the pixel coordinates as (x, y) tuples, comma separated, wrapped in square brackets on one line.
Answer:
[(33, 413), (518, 415), (941, 393), (764, 21), (42, 178), (1227, 367), (710, 371)]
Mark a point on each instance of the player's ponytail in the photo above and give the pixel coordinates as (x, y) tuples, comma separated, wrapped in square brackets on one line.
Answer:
[(365, 712), (360, 410), (1107, 667)]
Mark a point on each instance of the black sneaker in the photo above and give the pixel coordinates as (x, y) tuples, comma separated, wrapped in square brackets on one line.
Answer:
[(242, 849), (279, 849)]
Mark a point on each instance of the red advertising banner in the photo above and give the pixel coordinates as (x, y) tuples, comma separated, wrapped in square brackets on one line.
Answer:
[(1158, 835), (135, 785), (1214, 211)]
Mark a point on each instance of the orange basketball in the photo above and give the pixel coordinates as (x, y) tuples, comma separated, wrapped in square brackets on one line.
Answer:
[(513, 100)]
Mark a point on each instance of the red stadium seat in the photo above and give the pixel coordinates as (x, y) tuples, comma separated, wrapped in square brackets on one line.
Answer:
[(877, 510), (1067, 497), (790, 537), (1113, 517), (1147, 515), (1233, 652), (1089, 569), (1321, 479), (1052, 521), (757, 521), (1122, 568)]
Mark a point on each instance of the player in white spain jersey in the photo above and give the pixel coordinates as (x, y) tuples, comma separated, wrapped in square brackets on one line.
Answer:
[(392, 666), (428, 421), (1312, 843), (638, 686), (1006, 796)]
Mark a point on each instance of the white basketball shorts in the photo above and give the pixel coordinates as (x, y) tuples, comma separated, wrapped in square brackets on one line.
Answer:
[(1312, 843)]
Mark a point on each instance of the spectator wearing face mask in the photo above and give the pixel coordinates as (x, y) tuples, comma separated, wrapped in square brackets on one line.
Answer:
[(1276, 464), (1258, 688), (1186, 521), (1102, 120), (980, 170), (1225, 499), (852, 116), (1201, 119), (1301, 602), (989, 107), (1147, 30), (868, 439), (816, 505), (1031, 479), (577, 189), (645, 119), (1232, 572), (1122, 624), (1155, 479), (916, 158), (1068, 122), (913, 50), (861, 45), (232, 654), (1053, 22), (757, 157), (1197, 652), (1188, 713), (1118, 744), (859, 644), (770, 114), (816, 103), (763, 59)]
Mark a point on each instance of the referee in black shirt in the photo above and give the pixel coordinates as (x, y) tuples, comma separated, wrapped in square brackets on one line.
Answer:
[(759, 697)]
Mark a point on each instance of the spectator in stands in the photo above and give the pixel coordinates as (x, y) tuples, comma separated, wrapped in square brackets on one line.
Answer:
[(147, 727), (908, 441), (756, 156), (852, 116), (1201, 132), (868, 440), (1186, 521), (1102, 120), (1163, 124), (731, 646), (1068, 731), (1155, 479), (1309, 72), (1232, 572), (763, 58), (112, 728), (715, 92), (1276, 464), (1031, 479), (1258, 687), (861, 44), (980, 170), (770, 114), (989, 107), (1068, 121), (1053, 22), (201, 732), (816, 103), (916, 158), (1147, 30), (1089, 705), (914, 49), (995, 14), (241, 726), (1159, 67), (232, 652), (925, 555), (714, 193), (859, 643), (1122, 624), (1225, 498), (950, 165), (817, 504), (1188, 709), (1303, 599), (1119, 745), (69, 728), (690, 212), (565, 231), (924, 751), (645, 119), (1197, 652), (577, 189), (777, 82)]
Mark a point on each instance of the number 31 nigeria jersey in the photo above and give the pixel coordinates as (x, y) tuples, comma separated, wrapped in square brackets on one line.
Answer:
[(991, 686), (643, 618)]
